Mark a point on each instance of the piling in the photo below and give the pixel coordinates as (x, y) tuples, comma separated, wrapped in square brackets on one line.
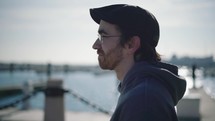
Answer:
[(54, 101)]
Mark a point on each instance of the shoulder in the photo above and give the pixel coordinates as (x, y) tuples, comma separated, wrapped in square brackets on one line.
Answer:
[(147, 100), (148, 93), (148, 88)]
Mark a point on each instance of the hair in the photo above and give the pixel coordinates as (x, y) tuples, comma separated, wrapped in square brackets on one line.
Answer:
[(146, 52)]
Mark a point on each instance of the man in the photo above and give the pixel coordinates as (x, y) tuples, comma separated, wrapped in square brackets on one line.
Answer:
[(127, 38)]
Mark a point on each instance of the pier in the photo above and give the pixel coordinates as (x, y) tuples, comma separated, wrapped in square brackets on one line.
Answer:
[(37, 115), (201, 107), (207, 106)]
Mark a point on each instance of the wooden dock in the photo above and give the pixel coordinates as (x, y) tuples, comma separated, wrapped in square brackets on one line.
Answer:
[(207, 112)]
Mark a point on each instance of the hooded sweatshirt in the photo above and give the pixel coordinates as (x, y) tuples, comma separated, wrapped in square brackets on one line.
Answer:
[(149, 92)]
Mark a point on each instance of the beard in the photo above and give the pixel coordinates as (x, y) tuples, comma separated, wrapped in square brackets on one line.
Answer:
[(111, 59)]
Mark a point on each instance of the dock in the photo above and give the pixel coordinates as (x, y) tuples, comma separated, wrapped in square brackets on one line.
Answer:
[(207, 112), (207, 106), (196, 106), (38, 115)]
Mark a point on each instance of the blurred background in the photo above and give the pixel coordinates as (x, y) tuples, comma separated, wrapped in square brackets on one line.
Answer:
[(44, 39)]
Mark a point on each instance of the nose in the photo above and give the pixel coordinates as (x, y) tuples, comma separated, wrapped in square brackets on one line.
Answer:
[(96, 44)]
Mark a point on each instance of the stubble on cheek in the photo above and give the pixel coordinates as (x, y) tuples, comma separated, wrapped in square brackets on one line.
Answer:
[(111, 59)]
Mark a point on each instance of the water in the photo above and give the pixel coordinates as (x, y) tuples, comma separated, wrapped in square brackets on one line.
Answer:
[(99, 89)]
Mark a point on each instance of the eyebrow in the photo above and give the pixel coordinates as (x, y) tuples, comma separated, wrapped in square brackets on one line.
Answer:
[(102, 31)]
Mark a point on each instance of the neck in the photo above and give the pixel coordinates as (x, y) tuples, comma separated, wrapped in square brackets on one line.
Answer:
[(122, 69)]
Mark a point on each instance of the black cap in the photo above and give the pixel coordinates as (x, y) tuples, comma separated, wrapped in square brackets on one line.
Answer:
[(132, 18)]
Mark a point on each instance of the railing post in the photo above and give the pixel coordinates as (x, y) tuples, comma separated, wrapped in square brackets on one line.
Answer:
[(54, 101)]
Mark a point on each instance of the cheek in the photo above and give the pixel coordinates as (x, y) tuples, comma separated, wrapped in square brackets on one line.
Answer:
[(107, 46), (105, 49)]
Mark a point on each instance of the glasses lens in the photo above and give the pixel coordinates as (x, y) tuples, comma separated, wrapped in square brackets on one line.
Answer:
[(99, 37)]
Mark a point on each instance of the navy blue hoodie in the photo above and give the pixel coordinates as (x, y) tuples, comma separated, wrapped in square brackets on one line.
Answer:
[(149, 92)]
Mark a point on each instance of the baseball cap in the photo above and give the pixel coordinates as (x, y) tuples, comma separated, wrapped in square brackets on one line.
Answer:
[(133, 18)]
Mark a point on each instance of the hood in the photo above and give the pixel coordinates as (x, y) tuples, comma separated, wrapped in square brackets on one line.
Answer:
[(164, 72)]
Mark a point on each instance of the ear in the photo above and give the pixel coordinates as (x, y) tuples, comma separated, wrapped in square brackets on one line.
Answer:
[(132, 45)]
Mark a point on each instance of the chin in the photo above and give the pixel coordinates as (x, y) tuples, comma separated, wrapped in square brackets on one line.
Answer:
[(104, 67)]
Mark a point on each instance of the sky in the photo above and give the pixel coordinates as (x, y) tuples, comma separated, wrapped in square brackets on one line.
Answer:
[(62, 31)]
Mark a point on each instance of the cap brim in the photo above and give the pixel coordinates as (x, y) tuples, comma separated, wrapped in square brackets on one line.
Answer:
[(96, 15)]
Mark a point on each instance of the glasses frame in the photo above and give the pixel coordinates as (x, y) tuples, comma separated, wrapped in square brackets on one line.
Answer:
[(101, 37)]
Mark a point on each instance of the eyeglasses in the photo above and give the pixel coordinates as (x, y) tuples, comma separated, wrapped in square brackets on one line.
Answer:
[(101, 37)]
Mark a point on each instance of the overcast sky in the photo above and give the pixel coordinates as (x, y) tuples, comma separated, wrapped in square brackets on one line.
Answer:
[(61, 31)]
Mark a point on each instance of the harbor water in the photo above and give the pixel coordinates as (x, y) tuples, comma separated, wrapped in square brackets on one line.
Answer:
[(100, 89)]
